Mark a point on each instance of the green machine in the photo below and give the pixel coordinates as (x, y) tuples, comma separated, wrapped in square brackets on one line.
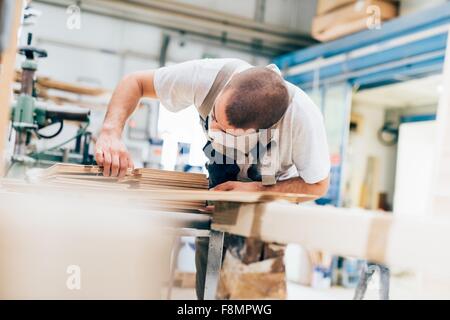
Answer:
[(29, 117)]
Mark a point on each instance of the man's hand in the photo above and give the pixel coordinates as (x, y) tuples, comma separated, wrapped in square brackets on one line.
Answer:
[(293, 185), (111, 153), (239, 186)]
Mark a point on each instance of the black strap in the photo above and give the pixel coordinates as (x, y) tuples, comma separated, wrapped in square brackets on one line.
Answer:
[(220, 81)]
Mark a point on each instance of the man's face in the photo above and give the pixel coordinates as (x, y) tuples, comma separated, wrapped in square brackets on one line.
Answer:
[(219, 121)]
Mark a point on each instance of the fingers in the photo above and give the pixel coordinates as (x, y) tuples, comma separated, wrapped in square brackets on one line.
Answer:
[(123, 163), (226, 186), (107, 163), (130, 163), (207, 209), (115, 165), (99, 157)]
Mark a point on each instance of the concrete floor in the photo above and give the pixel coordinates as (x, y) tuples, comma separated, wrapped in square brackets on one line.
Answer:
[(405, 287), (295, 292)]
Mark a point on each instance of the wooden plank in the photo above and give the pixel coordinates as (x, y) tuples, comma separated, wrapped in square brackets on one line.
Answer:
[(316, 228), (147, 188), (8, 61), (164, 181), (418, 244), (227, 196), (341, 30), (81, 179), (141, 173), (70, 87)]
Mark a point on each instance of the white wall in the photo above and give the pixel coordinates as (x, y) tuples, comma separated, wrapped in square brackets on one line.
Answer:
[(415, 162)]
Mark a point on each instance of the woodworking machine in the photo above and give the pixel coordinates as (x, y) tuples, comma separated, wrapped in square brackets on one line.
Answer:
[(29, 117)]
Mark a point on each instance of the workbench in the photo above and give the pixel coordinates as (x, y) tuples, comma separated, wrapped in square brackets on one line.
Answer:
[(122, 252), (417, 244)]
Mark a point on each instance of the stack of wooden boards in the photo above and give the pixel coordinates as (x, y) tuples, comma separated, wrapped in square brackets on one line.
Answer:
[(338, 18), (143, 178), (156, 185), (91, 178), (143, 188)]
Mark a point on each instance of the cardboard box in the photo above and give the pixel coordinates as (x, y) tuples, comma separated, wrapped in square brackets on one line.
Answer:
[(341, 30), (260, 280), (184, 280), (351, 18), (325, 6)]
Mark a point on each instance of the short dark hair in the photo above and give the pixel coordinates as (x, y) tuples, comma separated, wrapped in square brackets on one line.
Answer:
[(259, 99)]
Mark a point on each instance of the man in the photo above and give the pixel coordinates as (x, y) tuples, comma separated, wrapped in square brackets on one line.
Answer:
[(264, 134)]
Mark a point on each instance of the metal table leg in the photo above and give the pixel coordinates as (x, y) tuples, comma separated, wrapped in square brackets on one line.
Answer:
[(364, 279), (366, 274), (214, 264), (385, 276)]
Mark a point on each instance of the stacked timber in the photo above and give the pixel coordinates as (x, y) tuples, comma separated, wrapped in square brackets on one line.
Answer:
[(132, 186), (339, 18), (143, 188), (142, 179)]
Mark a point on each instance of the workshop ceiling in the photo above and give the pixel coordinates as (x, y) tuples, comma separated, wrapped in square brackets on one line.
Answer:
[(193, 21)]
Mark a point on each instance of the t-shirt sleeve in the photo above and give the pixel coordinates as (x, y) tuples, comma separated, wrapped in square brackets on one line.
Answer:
[(175, 85), (310, 150)]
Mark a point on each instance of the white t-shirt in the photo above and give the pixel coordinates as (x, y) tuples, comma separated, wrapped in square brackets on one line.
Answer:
[(302, 142)]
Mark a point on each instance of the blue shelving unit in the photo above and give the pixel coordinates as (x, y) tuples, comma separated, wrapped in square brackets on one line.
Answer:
[(405, 48), (409, 46)]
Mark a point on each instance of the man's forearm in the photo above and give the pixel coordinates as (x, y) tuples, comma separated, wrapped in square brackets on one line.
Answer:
[(126, 98), (123, 102), (298, 185), (294, 185)]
